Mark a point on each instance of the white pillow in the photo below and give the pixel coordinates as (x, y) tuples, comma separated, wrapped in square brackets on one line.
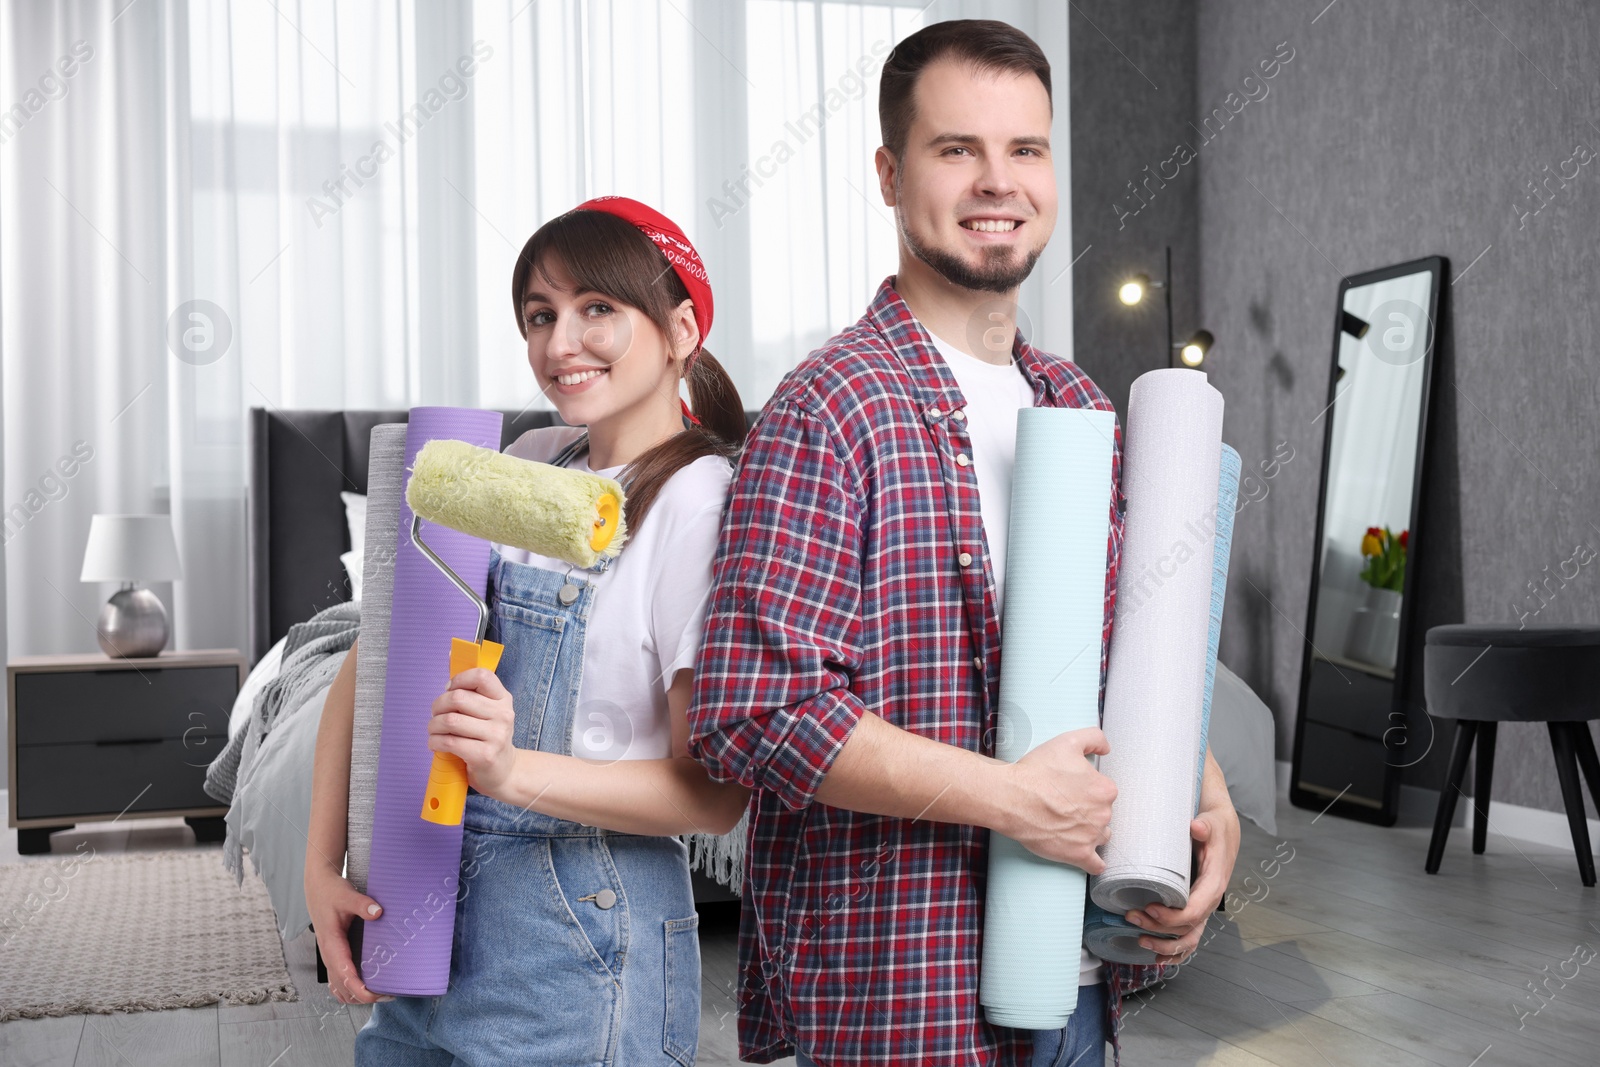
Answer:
[(1242, 738), (355, 516), (262, 673), (352, 567)]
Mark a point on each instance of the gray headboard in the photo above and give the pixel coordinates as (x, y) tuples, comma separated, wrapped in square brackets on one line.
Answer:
[(299, 463)]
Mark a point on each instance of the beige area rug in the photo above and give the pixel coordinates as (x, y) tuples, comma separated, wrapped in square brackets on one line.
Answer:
[(84, 932)]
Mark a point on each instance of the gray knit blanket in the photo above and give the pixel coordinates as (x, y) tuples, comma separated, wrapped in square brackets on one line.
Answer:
[(313, 652)]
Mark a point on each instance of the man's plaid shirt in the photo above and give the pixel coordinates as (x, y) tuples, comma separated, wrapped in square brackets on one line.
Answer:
[(839, 587)]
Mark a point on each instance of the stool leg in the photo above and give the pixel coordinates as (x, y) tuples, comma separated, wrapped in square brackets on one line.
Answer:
[(1587, 760), (1480, 791), (1466, 731), (1571, 795)]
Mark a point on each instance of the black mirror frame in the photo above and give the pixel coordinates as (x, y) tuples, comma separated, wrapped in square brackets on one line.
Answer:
[(1389, 812)]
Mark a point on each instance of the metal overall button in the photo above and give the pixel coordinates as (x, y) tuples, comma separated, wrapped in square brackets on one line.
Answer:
[(568, 591), (605, 900)]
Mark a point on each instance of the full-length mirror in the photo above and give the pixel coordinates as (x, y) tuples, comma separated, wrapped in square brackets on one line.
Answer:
[(1353, 667)]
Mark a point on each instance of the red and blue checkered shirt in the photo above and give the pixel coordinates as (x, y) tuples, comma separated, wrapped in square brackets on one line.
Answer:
[(838, 588)]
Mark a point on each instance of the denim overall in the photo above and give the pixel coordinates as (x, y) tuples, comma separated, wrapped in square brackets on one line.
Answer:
[(574, 946)]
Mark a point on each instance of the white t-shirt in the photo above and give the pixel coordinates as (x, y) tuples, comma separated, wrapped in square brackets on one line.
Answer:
[(648, 611), (994, 392)]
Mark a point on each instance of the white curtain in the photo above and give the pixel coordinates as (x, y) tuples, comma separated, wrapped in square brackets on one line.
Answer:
[(320, 206), (820, 238), (85, 213)]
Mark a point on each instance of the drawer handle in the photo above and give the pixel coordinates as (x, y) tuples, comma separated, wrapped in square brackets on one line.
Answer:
[(132, 741)]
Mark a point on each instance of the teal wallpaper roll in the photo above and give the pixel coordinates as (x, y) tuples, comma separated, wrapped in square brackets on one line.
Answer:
[(1049, 684), (1108, 935)]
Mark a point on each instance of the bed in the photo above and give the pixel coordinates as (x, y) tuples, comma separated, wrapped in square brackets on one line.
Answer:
[(308, 470)]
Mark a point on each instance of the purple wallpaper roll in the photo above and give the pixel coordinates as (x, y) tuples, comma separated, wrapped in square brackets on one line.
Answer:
[(415, 864)]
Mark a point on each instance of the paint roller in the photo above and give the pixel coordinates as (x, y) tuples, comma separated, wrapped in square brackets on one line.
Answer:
[(548, 510)]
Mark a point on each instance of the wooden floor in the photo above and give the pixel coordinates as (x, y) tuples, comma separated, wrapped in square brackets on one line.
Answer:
[(1338, 951), (1349, 954)]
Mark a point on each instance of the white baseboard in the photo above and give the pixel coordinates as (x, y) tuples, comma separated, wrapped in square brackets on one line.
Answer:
[(1534, 825)]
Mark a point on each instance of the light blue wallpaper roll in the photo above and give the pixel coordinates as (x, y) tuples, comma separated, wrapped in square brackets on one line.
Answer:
[(1049, 684), (1227, 497), (1107, 935)]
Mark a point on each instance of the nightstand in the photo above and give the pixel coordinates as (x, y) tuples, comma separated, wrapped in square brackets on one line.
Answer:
[(92, 738)]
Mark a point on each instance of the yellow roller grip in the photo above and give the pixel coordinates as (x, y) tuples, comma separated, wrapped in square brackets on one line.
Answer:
[(446, 798), (605, 527)]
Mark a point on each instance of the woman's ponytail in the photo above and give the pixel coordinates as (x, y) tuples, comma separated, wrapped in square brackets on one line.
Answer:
[(715, 401)]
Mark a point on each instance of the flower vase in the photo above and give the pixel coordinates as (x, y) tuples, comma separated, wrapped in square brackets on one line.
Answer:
[(1374, 634)]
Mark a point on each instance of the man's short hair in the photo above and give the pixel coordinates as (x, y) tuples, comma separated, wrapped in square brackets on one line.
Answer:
[(986, 44)]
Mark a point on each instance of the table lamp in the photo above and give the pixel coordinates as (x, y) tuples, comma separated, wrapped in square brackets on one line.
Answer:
[(131, 549)]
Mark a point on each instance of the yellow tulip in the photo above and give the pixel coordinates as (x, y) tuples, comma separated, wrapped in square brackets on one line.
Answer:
[(1370, 546)]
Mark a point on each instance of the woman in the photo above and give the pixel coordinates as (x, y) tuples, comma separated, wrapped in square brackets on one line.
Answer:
[(575, 938)]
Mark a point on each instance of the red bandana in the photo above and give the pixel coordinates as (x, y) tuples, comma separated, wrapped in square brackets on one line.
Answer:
[(681, 256)]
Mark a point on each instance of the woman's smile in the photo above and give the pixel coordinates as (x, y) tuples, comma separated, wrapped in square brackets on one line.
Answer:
[(578, 381)]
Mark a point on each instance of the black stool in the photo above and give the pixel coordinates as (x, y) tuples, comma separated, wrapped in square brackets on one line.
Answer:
[(1483, 675)]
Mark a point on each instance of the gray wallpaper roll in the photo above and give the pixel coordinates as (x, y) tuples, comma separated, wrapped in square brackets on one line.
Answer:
[(386, 485)]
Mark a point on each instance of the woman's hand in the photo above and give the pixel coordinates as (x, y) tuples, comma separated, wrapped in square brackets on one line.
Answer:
[(474, 719), (332, 902)]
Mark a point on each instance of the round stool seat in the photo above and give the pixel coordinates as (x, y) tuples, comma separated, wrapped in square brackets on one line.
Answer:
[(1498, 672)]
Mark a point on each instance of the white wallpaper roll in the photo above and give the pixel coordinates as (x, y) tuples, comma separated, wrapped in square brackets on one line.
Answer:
[(1156, 675)]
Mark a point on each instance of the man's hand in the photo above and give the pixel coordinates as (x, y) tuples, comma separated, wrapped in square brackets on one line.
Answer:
[(1065, 809), (1216, 830), (475, 719)]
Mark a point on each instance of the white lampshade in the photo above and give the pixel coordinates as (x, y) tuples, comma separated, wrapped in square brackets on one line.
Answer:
[(131, 548)]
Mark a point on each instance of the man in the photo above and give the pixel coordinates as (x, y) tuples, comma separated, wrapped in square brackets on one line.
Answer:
[(851, 663)]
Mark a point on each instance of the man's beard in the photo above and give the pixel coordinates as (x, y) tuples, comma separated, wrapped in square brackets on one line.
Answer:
[(997, 273)]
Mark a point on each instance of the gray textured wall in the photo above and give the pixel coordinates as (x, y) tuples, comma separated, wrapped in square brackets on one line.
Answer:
[(1396, 130), (1404, 129), (1132, 77)]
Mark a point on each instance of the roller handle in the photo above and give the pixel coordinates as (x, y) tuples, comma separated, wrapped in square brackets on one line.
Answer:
[(446, 798)]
